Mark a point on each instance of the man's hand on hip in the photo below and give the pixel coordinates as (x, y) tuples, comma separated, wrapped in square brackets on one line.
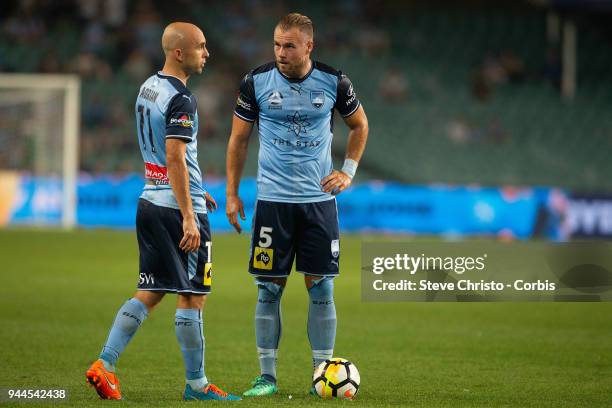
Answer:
[(336, 182)]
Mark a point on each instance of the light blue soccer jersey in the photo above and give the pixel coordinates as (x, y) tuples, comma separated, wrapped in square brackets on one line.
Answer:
[(166, 109), (295, 122)]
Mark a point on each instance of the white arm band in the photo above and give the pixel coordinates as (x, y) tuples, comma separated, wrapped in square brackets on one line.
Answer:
[(350, 167)]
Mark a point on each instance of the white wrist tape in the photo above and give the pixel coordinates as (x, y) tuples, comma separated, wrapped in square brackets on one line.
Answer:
[(349, 167)]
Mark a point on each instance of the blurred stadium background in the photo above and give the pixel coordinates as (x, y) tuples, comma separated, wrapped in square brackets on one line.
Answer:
[(474, 102), (468, 93), (487, 119)]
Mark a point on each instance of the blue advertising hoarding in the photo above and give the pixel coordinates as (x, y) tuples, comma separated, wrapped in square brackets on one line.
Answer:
[(110, 201)]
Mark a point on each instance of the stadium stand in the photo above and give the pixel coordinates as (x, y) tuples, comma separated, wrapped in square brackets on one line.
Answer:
[(453, 96)]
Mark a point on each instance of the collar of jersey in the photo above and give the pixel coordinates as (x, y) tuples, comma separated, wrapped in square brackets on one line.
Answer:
[(178, 84), (293, 80)]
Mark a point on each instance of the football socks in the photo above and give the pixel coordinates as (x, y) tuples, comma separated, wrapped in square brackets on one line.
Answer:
[(128, 320), (268, 327), (188, 328), (321, 320)]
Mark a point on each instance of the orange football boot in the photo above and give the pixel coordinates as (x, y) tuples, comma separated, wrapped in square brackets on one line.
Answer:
[(105, 382)]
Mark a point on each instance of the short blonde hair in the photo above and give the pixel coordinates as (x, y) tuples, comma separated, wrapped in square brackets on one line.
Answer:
[(297, 20)]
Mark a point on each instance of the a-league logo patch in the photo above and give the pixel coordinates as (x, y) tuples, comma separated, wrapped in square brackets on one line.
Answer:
[(262, 258), (182, 119), (207, 274), (275, 100), (317, 98)]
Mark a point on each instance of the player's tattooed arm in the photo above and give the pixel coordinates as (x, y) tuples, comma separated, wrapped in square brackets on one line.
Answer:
[(179, 181), (236, 156), (339, 180)]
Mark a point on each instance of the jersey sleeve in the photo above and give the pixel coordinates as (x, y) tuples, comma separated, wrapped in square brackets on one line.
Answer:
[(246, 104), (180, 117), (346, 98)]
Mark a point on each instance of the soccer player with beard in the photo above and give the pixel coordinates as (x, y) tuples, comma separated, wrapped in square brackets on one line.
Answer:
[(292, 100)]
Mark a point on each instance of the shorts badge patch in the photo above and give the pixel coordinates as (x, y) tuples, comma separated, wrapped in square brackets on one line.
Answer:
[(335, 248), (262, 258)]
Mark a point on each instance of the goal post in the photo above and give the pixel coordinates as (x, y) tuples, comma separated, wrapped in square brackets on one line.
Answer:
[(52, 104)]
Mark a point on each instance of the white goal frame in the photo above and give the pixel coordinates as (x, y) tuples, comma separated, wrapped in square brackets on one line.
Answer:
[(70, 85)]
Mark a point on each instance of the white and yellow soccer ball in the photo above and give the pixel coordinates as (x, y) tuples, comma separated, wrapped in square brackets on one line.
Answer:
[(336, 378)]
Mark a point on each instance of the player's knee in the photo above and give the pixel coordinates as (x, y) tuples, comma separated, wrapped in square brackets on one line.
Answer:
[(282, 282), (321, 288), (191, 301), (197, 302), (149, 299), (269, 291)]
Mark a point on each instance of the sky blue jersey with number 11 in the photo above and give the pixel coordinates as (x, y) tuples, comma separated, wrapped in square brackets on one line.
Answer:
[(166, 109), (295, 122)]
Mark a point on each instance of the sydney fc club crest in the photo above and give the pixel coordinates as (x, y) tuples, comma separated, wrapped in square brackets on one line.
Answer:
[(275, 100), (335, 248), (317, 98)]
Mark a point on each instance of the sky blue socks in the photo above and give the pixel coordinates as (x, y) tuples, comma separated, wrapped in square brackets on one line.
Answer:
[(321, 320), (188, 326), (128, 320), (268, 327)]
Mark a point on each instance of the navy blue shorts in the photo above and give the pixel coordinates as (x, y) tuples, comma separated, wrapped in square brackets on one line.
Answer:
[(307, 232), (164, 266)]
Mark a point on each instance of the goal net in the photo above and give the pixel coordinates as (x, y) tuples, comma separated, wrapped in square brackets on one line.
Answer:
[(39, 124)]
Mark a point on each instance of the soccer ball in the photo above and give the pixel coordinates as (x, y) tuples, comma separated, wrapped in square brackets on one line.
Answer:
[(336, 378)]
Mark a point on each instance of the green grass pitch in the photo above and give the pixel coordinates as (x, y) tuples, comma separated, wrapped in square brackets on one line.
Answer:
[(59, 293)]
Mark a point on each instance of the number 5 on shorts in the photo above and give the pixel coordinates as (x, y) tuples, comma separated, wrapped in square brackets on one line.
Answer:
[(263, 255), (265, 239)]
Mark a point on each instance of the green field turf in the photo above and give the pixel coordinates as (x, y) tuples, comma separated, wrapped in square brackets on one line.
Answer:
[(59, 293)]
